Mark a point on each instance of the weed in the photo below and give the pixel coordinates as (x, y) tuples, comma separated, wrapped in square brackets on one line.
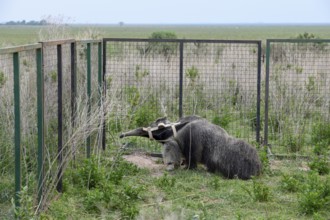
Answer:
[(26, 209), (192, 74), (90, 174), (223, 118), (2, 79), (53, 76), (146, 113), (315, 194), (166, 182), (119, 169), (114, 124), (140, 74), (291, 182), (321, 148), (321, 132), (311, 85), (319, 164), (260, 192), (25, 62), (294, 143), (265, 160), (133, 96), (299, 69), (214, 182), (103, 190), (5, 190), (93, 200)]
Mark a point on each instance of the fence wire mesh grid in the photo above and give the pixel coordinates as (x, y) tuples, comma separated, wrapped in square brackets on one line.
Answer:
[(30, 103), (6, 112), (299, 88), (217, 80)]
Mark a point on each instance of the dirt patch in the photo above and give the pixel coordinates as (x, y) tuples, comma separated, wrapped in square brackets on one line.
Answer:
[(279, 164), (144, 161)]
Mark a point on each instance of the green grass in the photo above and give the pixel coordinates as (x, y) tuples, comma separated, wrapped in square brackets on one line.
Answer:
[(183, 194), (16, 35)]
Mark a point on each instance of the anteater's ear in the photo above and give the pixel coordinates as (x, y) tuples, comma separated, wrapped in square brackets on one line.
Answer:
[(161, 125), (159, 120)]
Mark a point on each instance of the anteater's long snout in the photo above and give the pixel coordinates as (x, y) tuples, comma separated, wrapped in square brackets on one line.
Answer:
[(136, 132)]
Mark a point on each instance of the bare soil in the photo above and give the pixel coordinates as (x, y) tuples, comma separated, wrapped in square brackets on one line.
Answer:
[(144, 161)]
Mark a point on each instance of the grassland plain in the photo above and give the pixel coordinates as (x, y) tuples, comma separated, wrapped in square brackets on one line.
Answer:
[(97, 189), (16, 35)]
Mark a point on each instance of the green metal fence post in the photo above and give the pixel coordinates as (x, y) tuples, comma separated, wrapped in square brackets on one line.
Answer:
[(40, 111), (17, 112), (266, 93), (99, 50), (88, 141), (258, 93), (181, 79)]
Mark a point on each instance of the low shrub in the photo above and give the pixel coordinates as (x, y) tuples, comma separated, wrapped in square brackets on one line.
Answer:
[(319, 164), (291, 183), (321, 133), (314, 195), (260, 192), (165, 182)]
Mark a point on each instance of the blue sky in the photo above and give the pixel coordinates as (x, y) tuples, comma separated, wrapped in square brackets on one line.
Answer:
[(169, 11)]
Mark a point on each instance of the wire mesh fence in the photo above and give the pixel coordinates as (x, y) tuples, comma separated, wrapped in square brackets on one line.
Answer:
[(44, 123), (221, 84), (218, 80), (18, 110), (6, 113), (298, 88)]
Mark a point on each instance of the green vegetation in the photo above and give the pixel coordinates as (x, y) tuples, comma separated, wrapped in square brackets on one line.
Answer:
[(315, 194), (260, 192), (15, 35), (2, 79), (114, 188), (108, 187)]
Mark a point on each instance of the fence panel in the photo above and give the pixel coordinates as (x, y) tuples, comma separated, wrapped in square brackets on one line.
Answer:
[(89, 82), (218, 80), (222, 84), (42, 117), (19, 68), (57, 72), (297, 94)]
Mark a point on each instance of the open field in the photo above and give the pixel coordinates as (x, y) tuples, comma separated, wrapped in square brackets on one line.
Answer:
[(15, 35), (138, 75)]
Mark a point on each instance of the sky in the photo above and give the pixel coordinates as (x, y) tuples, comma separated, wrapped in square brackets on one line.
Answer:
[(169, 11)]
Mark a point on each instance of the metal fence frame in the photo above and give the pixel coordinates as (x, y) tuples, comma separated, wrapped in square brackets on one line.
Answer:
[(269, 71), (40, 87), (181, 43), (15, 51)]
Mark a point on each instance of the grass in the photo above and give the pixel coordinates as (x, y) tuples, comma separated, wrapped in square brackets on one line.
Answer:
[(184, 194), (16, 35)]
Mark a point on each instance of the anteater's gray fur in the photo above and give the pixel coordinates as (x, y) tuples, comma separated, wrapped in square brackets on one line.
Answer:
[(199, 141)]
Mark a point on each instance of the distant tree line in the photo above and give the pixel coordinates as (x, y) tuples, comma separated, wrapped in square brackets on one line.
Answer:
[(23, 22)]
